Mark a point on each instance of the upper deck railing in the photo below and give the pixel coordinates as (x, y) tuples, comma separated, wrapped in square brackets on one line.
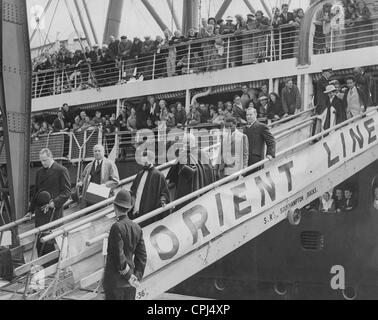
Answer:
[(195, 56)]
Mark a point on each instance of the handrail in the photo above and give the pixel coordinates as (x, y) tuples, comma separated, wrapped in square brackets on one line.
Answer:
[(105, 202), (86, 210), (196, 41), (216, 184)]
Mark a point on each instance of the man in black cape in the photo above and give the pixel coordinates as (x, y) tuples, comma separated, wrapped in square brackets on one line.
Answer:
[(190, 173)]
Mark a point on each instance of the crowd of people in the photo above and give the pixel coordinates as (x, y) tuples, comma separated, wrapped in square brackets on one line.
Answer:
[(124, 59), (340, 99), (160, 115), (343, 25)]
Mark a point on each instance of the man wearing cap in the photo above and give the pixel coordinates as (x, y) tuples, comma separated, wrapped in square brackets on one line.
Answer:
[(149, 188), (124, 48), (126, 253), (100, 171), (228, 27)]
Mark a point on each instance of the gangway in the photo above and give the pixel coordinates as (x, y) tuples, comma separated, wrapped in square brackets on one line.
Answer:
[(222, 217), (104, 217)]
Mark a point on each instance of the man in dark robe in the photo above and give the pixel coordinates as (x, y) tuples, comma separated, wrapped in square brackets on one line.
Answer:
[(321, 85), (149, 190), (54, 179), (192, 172)]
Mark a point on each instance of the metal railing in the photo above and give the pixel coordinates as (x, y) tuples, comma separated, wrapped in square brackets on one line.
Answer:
[(194, 56), (105, 204), (355, 34), (198, 193)]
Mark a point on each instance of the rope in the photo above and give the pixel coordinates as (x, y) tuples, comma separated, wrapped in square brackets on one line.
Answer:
[(93, 80), (52, 19)]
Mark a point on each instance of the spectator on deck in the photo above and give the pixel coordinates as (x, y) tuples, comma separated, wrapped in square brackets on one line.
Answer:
[(262, 112), (180, 115), (77, 125), (275, 111), (237, 111), (287, 32), (351, 37), (68, 115), (363, 25), (350, 203), (216, 118), (124, 48), (204, 112), (327, 204), (131, 121), (97, 120), (194, 116), (298, 17), (339, 200), (113, 48), (246, 96), (59, 124), (291, 99), (354, 99), (366, 83)]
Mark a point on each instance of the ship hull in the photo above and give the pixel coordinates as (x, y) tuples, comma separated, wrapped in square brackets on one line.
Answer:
[(298, 262)]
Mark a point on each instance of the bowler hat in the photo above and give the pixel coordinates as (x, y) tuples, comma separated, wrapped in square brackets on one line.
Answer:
[(43, 198), (123, 199)]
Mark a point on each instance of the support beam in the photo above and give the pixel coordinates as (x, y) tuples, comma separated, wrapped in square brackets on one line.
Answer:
[(113, 19), (267, 9), (82, 22), (15, 101), (248, 4), (90, 21), (155, 15), (174, 14), (222, 10), (190, 13)]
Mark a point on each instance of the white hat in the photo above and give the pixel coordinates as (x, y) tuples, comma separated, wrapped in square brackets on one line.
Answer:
[(263, 98), (330, 88), (229, 18)]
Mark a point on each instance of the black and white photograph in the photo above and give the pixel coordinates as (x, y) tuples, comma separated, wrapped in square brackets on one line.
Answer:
[(207, 151)]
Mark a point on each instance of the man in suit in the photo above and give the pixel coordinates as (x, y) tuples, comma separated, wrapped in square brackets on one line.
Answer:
[(354, 99), (287, 19), (149, 188), (234, 153), (127, 257), (349, 202), (321, 85), (100, 171), (258, 136), (59, 124), (291, 99), (54, 179)]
